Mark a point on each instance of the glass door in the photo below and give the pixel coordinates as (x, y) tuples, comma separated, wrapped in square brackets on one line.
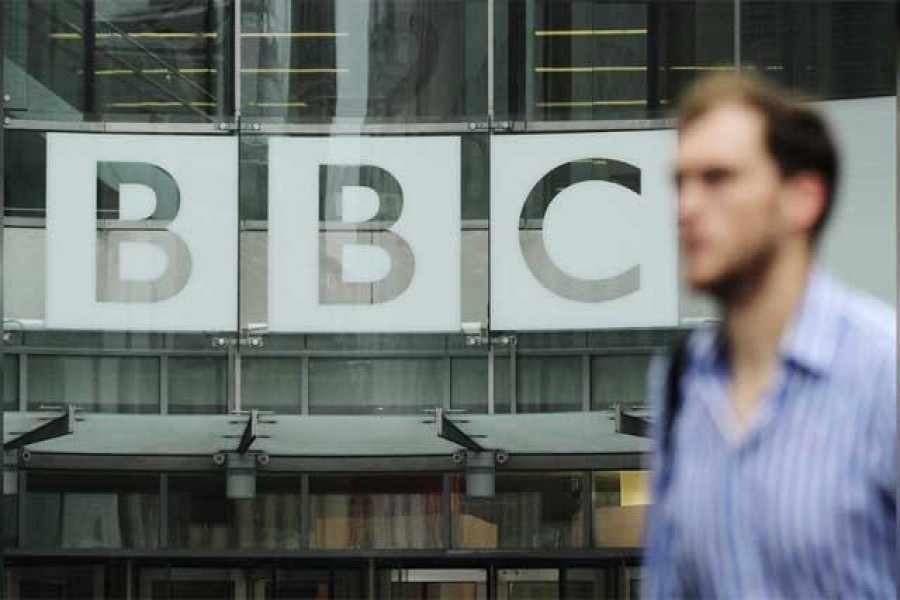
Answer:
[(194, 584), (432, 584), (528, 584)]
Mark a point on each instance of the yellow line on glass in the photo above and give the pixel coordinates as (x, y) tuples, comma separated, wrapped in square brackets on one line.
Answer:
[(110, 72), (75, 35), (279, 104), (149, 104), (583, 32), (293, 34), (588, 103), (293, 70), (633, 69)]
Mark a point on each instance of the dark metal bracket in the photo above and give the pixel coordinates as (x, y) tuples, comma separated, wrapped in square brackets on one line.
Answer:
[(631, 424), (251, 432), (450, 431), (55, 427)]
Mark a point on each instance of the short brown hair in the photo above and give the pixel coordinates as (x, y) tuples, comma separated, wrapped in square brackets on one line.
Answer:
[(796, 136)]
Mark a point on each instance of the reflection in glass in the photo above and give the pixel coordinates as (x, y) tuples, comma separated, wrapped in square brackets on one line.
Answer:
[(201, 517), (114, 60), (271, 384), (350, 511), (94, 383), (81, 510), (10, 383), (469, 384), (618, 380), (836, 49), (528, 584), (549, 384), (587, 60), (620, 500), (533, 511), (198, 385), (385, 60), (375, 385)]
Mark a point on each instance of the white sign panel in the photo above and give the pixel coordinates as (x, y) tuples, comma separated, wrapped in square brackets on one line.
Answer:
[(386, 256), (170, 263), (583, 231)]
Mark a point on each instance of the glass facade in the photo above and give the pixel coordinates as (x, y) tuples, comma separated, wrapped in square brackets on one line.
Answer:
[(298, 208)]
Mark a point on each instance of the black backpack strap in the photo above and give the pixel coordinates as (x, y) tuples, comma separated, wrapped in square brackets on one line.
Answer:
[(673, 399)]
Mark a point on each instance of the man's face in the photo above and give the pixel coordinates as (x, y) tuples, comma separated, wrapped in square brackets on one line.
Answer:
[(730, 213)]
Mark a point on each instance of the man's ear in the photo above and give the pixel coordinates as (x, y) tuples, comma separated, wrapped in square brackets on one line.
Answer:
[(807, 199)]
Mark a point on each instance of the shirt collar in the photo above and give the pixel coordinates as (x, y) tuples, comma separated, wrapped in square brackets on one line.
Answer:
[(810, 340)]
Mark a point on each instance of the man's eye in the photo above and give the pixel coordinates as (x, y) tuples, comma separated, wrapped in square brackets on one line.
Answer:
[(716, 176)]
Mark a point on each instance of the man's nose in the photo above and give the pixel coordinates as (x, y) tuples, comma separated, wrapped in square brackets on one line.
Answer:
[(689, 200)]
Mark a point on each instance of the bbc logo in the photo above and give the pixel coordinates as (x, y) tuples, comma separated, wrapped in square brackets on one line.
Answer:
[(363, 232)]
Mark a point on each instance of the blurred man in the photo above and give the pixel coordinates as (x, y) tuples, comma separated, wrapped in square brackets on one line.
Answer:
[(775, 437)]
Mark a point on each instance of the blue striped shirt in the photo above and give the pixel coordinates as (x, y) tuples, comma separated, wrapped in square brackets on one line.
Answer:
[(803, 503)]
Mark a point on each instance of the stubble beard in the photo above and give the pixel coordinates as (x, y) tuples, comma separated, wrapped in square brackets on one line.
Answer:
[(739, 283)]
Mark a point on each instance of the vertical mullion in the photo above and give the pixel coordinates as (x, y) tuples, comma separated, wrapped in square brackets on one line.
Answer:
[(587, 505), (447, 370), (305, 513), (491, 374), (89, 46), (490, 61), (586, 382), (163, 510), (446, 513), (23, 382), (530, 99), (737, 35), (164, 384), (513, 380), (304, 385), (236, 59), (236, 375)]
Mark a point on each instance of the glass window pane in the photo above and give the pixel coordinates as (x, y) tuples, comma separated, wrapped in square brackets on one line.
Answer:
[(835, 49), (119, 60), (352, 511), (90, 511), (10, 382), (589, 60), (381, 386), (533, 511), (502, 381), (385, 60), (620, 501), (549, 384), (469, 384), (201, 517), (271, 384), (618, 380), (95, 384), (198, 385)]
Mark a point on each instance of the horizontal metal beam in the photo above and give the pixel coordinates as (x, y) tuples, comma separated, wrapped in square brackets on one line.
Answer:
[(220, 128), (343, 464), (448, 556), (54, 428)]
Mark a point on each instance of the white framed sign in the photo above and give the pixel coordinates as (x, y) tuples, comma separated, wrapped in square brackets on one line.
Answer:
[(364, 234), (168, 259), (583, 231)]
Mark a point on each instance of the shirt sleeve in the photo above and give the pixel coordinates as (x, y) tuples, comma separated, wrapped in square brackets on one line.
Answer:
[(885, 449), (662, 580)]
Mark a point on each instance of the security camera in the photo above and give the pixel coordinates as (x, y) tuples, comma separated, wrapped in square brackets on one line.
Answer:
[(472, 328)]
